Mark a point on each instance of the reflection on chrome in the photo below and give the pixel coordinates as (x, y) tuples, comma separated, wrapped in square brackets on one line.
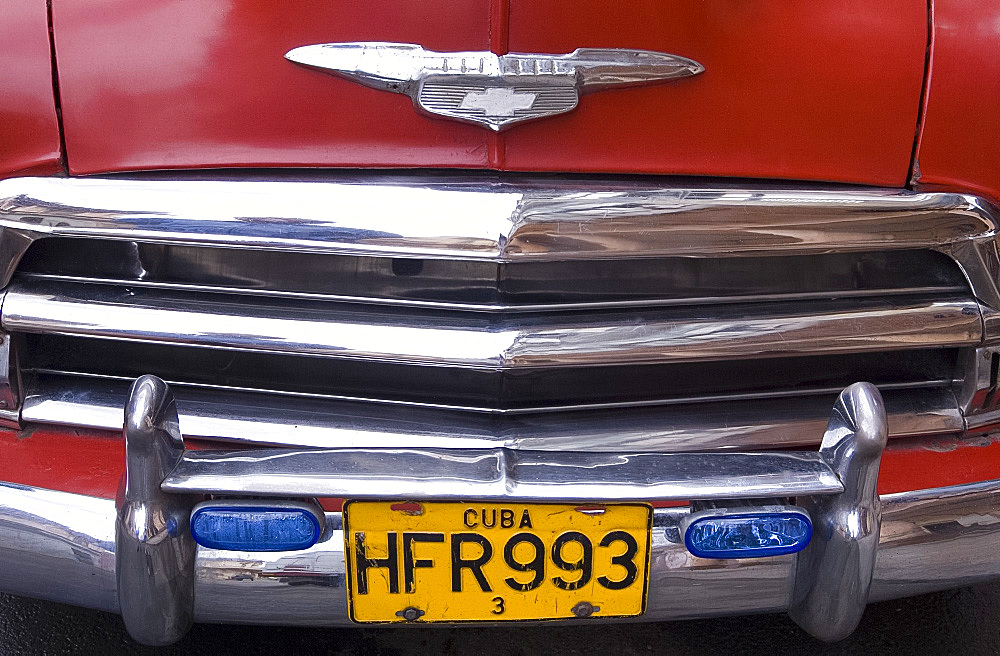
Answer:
[(58, 546)]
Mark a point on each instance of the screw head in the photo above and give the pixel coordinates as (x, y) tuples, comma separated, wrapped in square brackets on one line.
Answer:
[(584, 609), (410, 614)]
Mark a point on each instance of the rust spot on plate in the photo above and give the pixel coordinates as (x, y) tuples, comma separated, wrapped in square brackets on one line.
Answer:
[(408, 508)]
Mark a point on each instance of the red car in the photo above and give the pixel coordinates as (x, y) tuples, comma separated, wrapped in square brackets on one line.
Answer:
[(498, 310)]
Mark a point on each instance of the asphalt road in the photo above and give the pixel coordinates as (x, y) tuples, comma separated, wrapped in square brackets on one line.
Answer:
[(964, 621)]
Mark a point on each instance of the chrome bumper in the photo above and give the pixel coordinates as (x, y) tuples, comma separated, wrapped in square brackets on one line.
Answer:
[(97, 552), (61, 547)]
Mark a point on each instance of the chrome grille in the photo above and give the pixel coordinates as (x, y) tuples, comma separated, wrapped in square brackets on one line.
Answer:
[(477, 312)]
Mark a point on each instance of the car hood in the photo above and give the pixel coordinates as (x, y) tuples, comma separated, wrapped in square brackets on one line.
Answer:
[(790, 90)]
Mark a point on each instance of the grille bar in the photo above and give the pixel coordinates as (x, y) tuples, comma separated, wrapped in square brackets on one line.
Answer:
[(470, 342), (266, 419), (481, 218)]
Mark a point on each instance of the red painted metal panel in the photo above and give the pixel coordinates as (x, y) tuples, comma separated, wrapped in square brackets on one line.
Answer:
[(792, 90), (959, 145), (78, 461), (29, 128), (198, 83), (927, 462), (91, 462), (805, 90)]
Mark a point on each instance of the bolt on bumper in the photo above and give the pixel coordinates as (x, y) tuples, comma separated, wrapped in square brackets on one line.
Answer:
[(96, 552)]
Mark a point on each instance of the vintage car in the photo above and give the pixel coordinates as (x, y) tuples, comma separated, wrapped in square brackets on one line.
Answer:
[(478, 311)]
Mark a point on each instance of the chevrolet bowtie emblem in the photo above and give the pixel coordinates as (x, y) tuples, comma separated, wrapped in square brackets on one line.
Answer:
[(487, 89)]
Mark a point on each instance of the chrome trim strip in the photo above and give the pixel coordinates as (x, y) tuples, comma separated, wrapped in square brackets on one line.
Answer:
[(730, 397), (944, 290), (262, 419), (501, 474), (488, 219), (494, 342), (60, 546)]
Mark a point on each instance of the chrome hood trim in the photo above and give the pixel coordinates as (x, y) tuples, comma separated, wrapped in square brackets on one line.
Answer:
[(493, 91)]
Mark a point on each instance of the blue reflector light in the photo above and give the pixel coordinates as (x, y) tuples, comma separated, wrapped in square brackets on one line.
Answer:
[(239, 526), (747, 532)]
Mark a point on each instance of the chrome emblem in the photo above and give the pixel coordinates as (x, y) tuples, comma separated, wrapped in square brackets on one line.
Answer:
[(490, 90), (498, 101)]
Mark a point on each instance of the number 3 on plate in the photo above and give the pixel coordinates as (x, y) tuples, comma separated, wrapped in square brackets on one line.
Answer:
[(499, 608)]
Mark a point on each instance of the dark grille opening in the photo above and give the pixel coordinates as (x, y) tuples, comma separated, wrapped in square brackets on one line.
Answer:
[(492, 285)]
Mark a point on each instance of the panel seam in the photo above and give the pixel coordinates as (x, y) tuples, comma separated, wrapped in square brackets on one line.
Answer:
[(56, 97), (914, 173), (499, 37)]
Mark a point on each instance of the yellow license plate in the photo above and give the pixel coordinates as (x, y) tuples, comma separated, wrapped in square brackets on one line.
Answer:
[(486, 562)]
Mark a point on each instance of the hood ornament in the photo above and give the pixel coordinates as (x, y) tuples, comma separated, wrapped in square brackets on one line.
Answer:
[(487, 89)]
